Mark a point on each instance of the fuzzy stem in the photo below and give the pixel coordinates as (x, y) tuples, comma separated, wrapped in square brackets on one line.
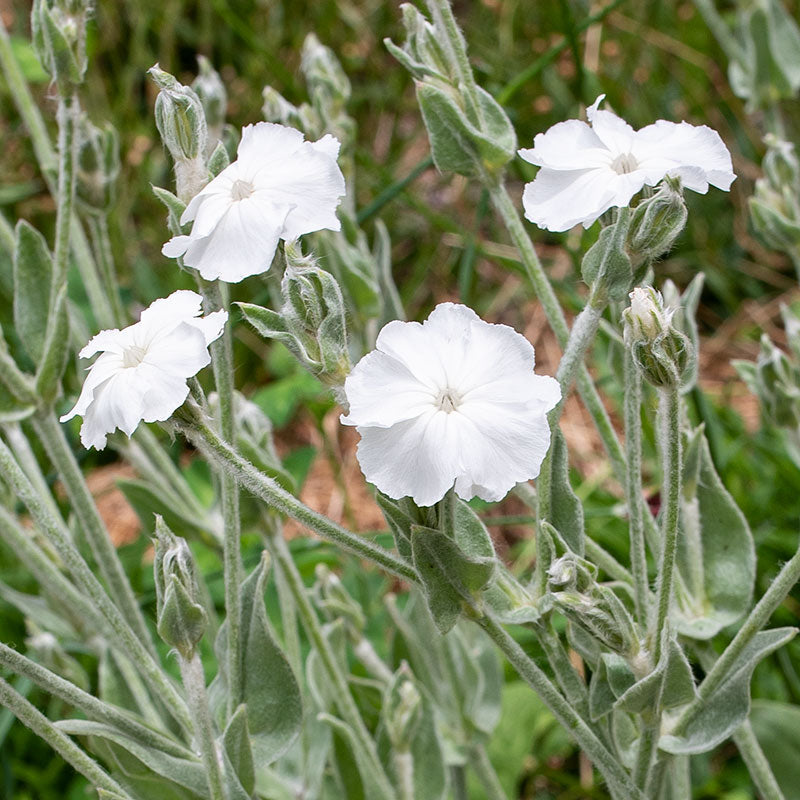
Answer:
[(216, 450), (32, 718), (404, 769), (566, 676), (757, 619), (222, 364), (458, 779), (194, 683), (344, 699), (51, 434), (633, 486), (98, 228), (619, 782), (85, 578), (486, 774), (757, 764), (88, 704)]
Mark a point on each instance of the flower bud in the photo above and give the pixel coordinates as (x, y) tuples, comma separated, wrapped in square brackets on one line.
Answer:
[(181, 121), (208, 86), (97, 167), (327, 81), (181, 618), (781, 166), (402, 710), (337, 602), (314, 312), (59, 39), (657, 222), (660, 350)]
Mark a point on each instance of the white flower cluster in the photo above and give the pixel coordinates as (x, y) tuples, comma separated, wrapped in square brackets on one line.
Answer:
[(588, 169)]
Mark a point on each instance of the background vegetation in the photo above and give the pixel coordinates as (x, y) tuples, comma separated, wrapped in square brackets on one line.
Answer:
[(653, 60)]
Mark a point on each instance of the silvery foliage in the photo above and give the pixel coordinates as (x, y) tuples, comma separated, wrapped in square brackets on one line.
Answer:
[(284, 714)]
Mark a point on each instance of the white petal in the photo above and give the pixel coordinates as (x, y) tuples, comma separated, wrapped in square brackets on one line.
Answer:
[(210, 212), (266, 141), (558, 200), (117, 403), (500, 447), (408, 343), (113, 341), (220, 186), (382, 391), (309, 184), (182, 352), (104, 368), (696, 153), (176, 246), (242, 244), (329, 145), (615, 133), (416, 458), (165, 393), (568, 145), (165, 314), (211, 325)]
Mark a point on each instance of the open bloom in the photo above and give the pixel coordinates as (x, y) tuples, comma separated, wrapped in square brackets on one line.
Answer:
[(279, 187), (142, 371), (588, 169), (451, 401)]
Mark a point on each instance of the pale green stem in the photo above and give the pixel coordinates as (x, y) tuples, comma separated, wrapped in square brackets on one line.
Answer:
[(344, 699), (222, 364), (633, 487), (619, 782), (404, 769), (85, 578), (27, 459), (194, 683), (32, 718), (680, 778), (566, 675), (603, 559), (89, 704), (670, 447), (98, 227), (756, 620), (458, 780), (51, 434), (248, 476), (486, 774), (718, 26)]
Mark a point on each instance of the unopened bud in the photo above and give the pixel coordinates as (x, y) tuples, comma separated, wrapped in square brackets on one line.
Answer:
[(781, 166), (208, 86), (659, 349), (98, 165), (59, 39), (657, 222), (336, 600), (181, 618), (327, 81), (276, 108), (403, 709)]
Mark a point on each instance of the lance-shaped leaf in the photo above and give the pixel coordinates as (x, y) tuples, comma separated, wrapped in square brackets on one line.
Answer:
[(566, 510), (236, 743), (720, 714), (399, 523), (457, 144), (55, 350), (612, 678), (33, 277), (449, 574), (607, 261), (146, 765), (270, 690), (669, 685), (716, 556)]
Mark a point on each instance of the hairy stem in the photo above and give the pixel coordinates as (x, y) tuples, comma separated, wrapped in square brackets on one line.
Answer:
[(344, 699), (51, 434), (486, 774), (194, 683)]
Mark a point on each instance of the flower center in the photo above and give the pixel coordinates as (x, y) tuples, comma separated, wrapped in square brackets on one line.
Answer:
[(624, 163), (133, 356), (448, 400), (241, 190)]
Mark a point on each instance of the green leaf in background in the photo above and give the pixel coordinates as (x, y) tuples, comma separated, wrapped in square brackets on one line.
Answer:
[(729, 703), (281, 399), (716, 555), (776, 727), (28, 62), (236, 742), (33, 276)]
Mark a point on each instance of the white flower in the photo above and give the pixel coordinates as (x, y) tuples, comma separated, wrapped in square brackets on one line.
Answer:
[(279, 187), (586, 170), (453, 400), (142, 371)]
